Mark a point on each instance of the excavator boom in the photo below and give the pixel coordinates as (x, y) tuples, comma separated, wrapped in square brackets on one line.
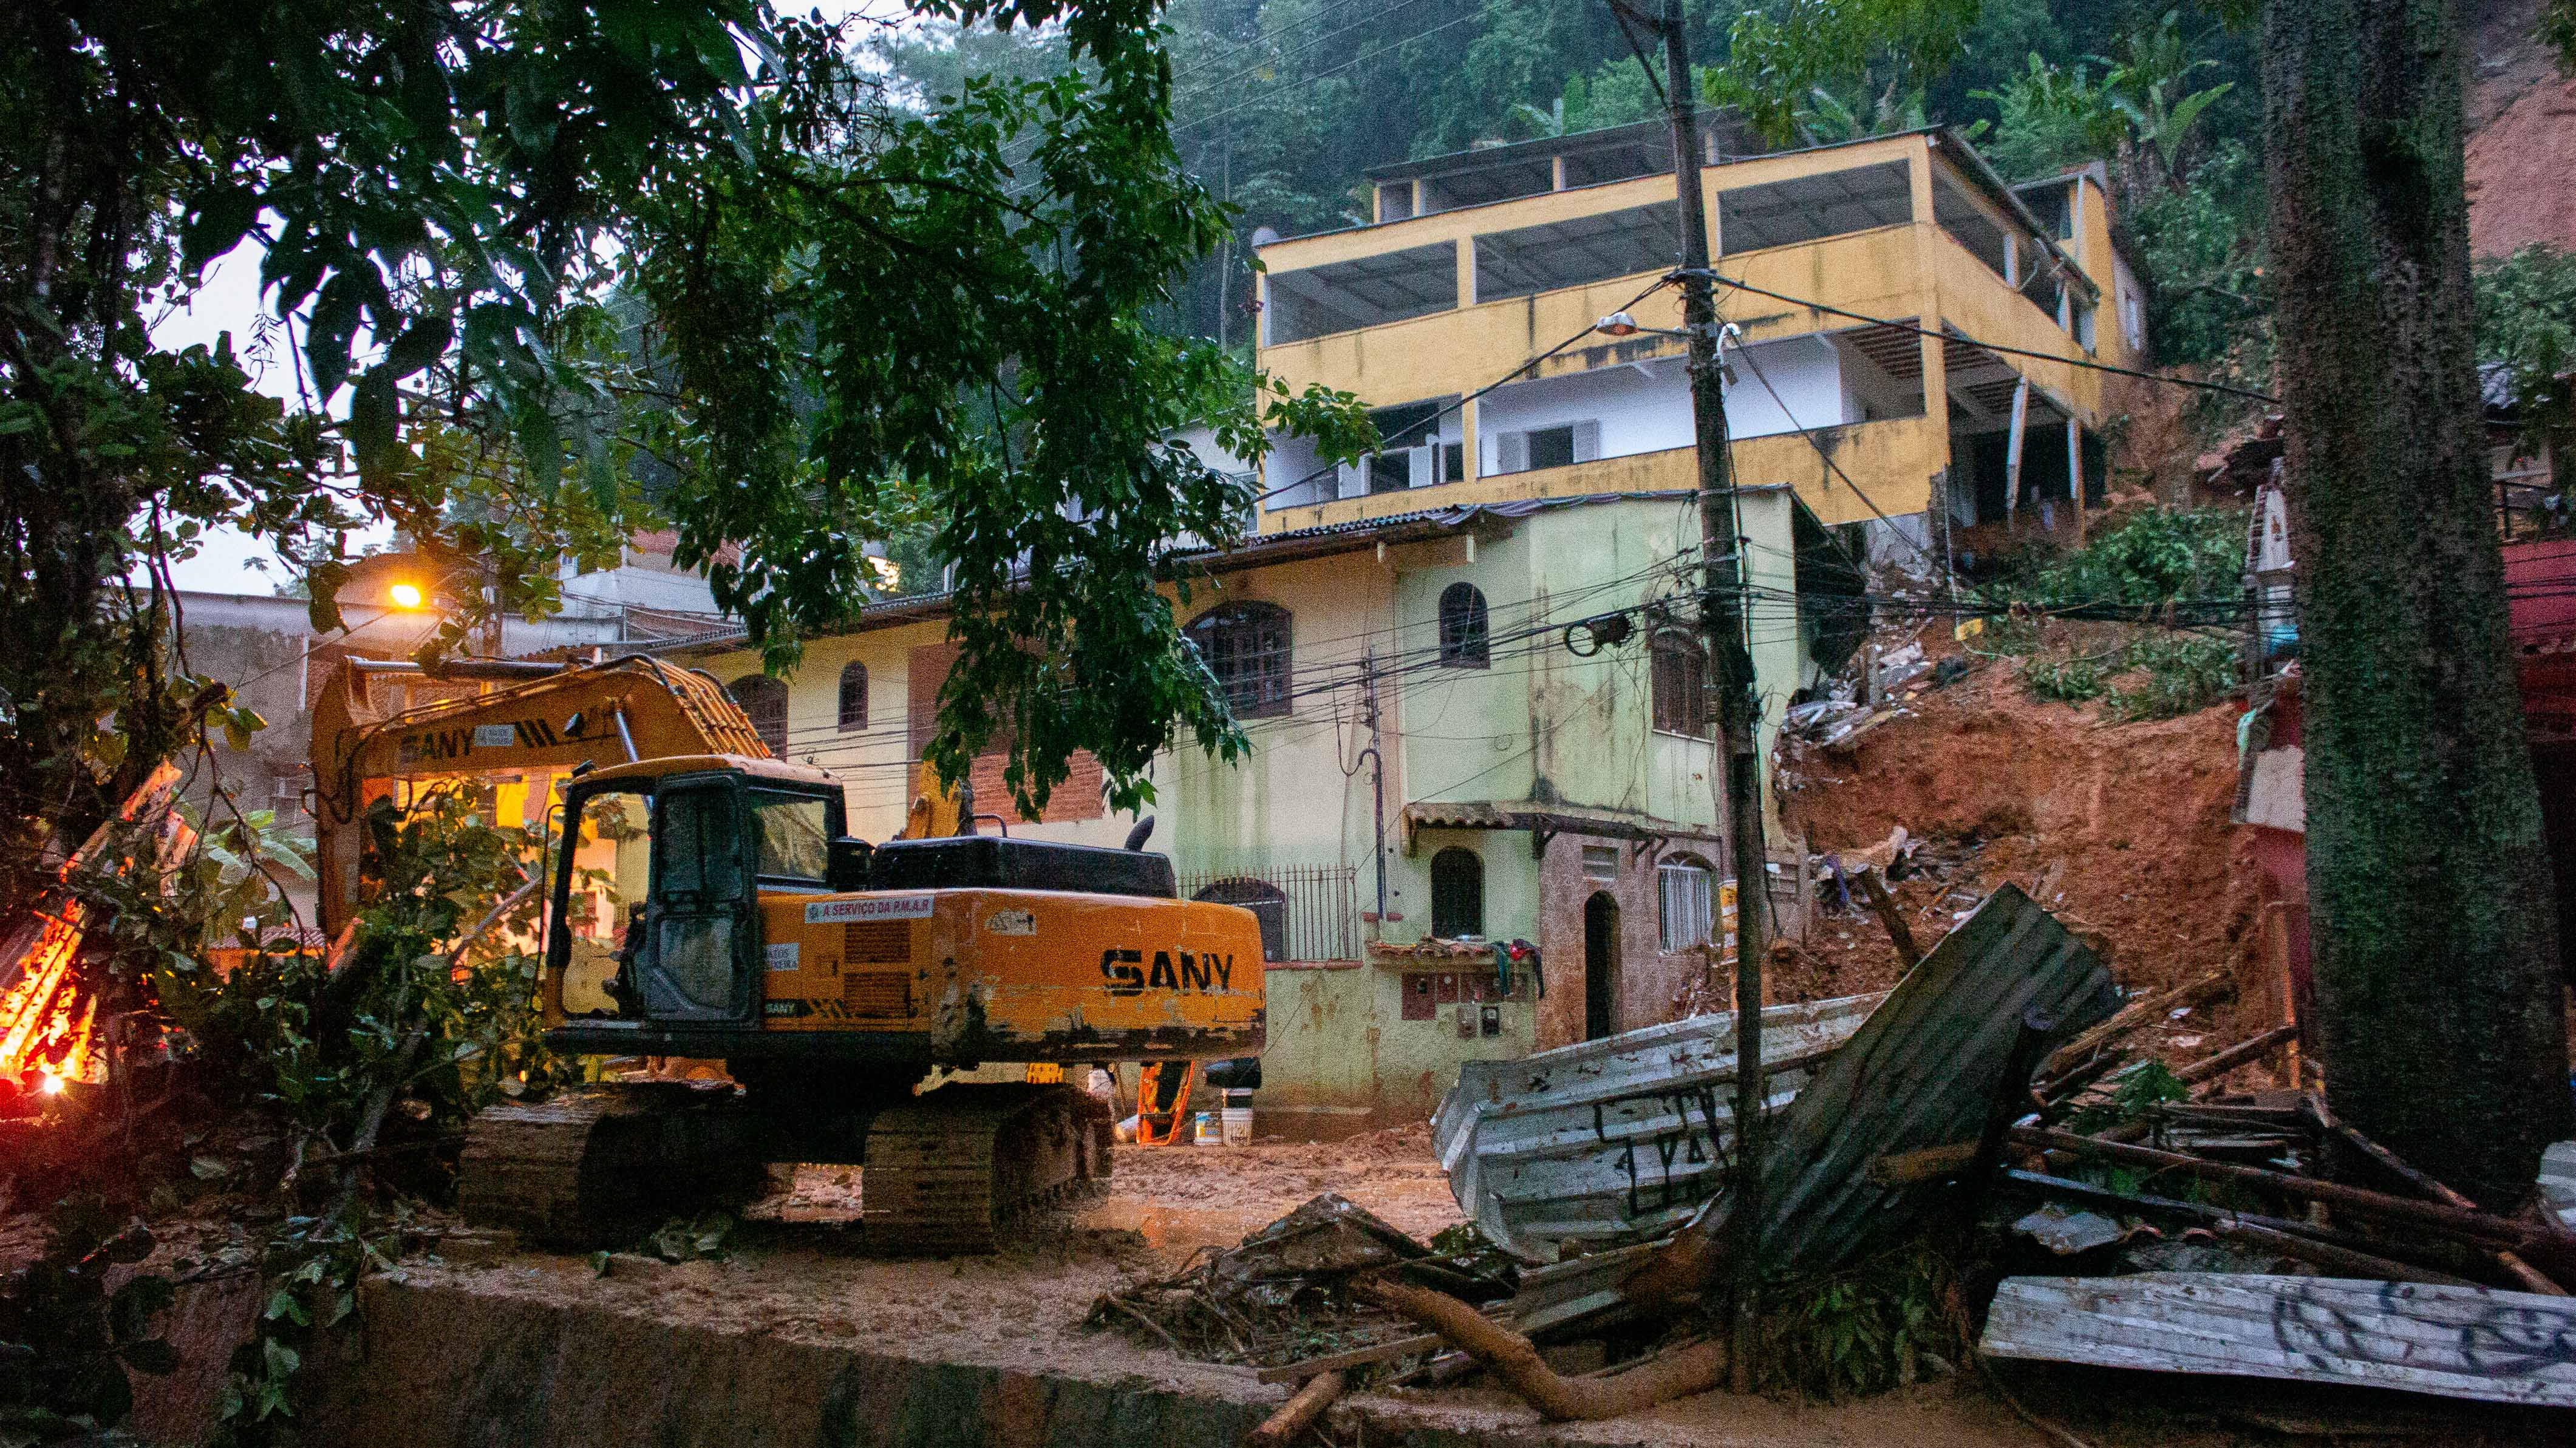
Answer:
[(378, 721)]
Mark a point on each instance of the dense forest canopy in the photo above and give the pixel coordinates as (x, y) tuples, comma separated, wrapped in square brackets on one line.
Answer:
[(1280, 107)]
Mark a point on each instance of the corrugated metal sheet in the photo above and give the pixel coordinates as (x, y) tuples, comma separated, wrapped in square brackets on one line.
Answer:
[(1616, 1139), (2457, 1342), (1921, 1071)]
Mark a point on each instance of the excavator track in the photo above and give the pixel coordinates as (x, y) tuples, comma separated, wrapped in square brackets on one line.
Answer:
[(605, 1164), (950, 1170)]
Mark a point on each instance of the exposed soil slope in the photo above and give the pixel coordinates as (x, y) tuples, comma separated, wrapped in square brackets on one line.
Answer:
[(2122, 829), (2522, 135)]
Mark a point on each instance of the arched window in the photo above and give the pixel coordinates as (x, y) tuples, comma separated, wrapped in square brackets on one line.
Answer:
[(765, 700), (1685, 888), (1457, 893), (1681, 684), (1246, 645), (854, 698), (1462, 627)]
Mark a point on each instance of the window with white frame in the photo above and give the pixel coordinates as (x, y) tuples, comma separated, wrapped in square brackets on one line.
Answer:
[(1688, 898), (1560, 446)]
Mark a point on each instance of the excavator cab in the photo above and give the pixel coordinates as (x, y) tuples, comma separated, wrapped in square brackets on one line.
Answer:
[(658, 885)]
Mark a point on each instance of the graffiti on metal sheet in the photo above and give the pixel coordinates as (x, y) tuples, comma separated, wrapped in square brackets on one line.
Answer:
[(1650, 1163)]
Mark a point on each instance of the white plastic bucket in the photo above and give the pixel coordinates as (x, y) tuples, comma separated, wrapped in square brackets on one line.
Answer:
[(1236, 1119)]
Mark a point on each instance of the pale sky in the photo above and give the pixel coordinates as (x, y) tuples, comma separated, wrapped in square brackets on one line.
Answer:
[(229, 301)]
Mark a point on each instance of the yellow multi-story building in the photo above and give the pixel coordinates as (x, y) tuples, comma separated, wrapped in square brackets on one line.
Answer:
[(1478, 261)]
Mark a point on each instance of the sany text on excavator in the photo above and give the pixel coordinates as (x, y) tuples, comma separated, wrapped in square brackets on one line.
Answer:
[(707, 902)]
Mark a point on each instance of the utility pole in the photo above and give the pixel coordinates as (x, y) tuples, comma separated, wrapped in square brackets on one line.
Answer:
[(1722, 620), (1375, 754)]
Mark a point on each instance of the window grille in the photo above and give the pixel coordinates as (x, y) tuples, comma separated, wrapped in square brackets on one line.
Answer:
[(1315, 907), (1463, 628), (1688, 903), (1246, 645), (764, 699)]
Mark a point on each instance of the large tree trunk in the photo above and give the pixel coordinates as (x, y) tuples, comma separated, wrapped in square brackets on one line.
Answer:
[(2434, 933)]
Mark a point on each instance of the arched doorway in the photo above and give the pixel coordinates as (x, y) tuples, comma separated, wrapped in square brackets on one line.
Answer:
[(1600, 966)]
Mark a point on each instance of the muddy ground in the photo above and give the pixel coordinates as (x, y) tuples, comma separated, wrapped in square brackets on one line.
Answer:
[(803, 1279), (801, 1274)]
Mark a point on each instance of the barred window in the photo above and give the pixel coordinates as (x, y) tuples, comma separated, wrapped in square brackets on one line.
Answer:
[(1457, 893), (854, 698), (1688, 902), (1681, 684), (1463, 635), (1246, 645), (765, 700)]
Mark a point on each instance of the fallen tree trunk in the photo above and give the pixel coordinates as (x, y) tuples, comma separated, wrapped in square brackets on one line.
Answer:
[(1302, 1408), (1560, 1399), (1881, 904)]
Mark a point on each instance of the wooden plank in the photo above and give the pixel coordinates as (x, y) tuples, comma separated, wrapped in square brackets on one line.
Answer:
[(2133, 1016), (2449, 1341), (1298, 1372)]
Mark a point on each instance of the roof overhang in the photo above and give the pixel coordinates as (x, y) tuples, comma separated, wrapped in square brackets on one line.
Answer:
[(1545, 822)]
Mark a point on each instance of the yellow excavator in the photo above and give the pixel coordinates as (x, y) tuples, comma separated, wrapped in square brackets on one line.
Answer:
[(706, 901)]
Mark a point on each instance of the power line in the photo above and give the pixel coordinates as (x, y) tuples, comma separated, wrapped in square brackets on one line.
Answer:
[(1285, 56), (1823, 452)]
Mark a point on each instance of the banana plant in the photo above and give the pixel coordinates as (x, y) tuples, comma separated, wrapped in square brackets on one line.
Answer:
[(2148, 88)]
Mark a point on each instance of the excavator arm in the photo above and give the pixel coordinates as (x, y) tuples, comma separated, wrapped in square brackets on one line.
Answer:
[(380, 721)]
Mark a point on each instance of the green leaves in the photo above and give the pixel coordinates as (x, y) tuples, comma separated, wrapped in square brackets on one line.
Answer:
[(2527, 330), (1779, 59), (217, 221), (65, 1341)]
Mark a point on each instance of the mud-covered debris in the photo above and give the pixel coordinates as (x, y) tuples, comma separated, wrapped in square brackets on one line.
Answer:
[(1283, 1296), (1329, 1237)]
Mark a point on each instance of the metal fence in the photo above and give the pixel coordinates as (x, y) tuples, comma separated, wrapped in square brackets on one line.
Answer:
[(1308, 912)]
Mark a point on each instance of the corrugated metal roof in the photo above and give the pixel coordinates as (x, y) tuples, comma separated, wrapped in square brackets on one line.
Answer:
[(1617, 1139), (1921, 1071)]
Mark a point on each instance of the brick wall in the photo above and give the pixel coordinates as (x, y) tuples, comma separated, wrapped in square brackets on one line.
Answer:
[(1078, 798), (1648, 979)]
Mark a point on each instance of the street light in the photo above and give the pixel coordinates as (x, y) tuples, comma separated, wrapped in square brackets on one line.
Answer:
[(405, 595), (1620, 324)]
